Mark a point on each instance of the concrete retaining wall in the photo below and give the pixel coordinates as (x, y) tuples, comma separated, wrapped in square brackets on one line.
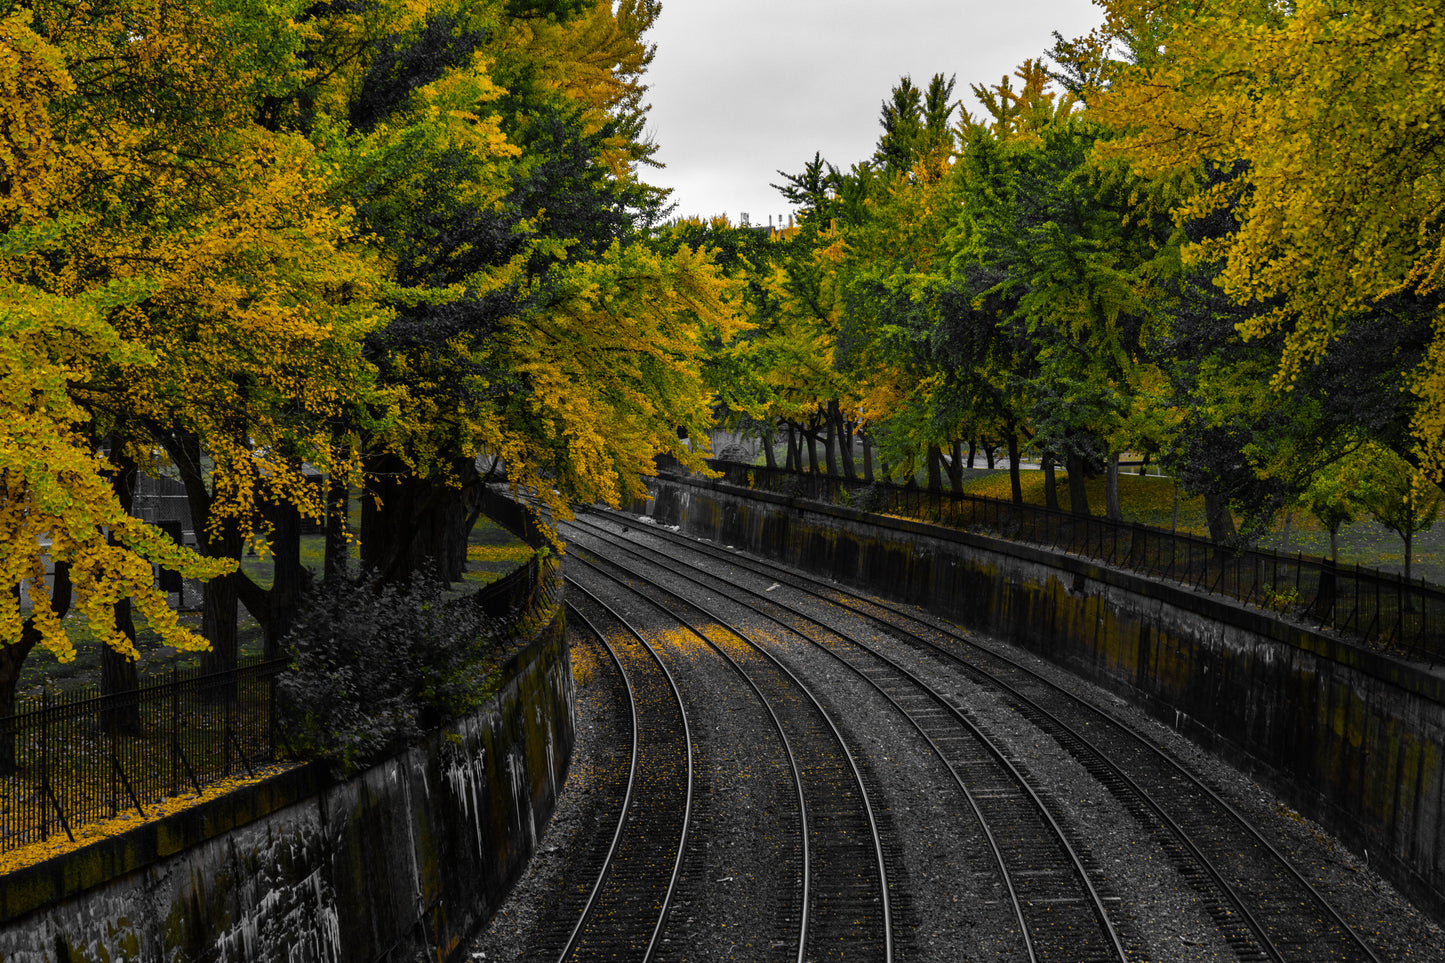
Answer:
[(400, 863), (1351, 737)]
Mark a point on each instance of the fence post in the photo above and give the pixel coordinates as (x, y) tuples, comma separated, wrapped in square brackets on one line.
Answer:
[(231, 696), (174, 740), (44, 761)]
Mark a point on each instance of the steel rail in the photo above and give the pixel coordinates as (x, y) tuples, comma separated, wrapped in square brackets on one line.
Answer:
[(992, 748), (847, 754), (596, 890), (687, 806), (792, 765)]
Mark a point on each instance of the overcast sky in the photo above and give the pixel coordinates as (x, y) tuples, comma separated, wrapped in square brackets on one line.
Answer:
[(743, 88)]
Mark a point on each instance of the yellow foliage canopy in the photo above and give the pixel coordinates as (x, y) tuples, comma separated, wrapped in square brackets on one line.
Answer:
[(190, 274), (1334, 112), (55, 501), (597, 60)]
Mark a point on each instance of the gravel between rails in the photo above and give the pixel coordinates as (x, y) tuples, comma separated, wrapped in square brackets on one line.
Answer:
[(954, 913)]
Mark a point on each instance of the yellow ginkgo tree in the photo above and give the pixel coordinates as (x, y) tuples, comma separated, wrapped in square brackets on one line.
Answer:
[(1322, 121), (66, 544), (143, 154)]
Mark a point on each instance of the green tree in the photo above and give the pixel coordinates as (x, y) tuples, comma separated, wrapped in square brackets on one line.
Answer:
[(1072, 253), (1335, 496), (1402, 498), (524, 253)]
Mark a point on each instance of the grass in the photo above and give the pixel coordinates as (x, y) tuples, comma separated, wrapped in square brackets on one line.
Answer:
[(156, 659), (1150, 500)]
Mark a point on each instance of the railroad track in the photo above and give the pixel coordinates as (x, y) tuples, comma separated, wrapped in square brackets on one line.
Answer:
[(843, 901), (1262, 906), (1059, 911), (626, 908)]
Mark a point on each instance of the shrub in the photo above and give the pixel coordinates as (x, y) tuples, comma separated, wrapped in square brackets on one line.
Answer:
[(373, 667), (1281, 600), (870, 498)]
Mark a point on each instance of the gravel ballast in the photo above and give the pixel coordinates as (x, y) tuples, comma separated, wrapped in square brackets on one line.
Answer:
[(951, 911)]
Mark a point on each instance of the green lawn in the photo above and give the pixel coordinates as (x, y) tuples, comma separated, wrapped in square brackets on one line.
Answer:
[(1151, 501)]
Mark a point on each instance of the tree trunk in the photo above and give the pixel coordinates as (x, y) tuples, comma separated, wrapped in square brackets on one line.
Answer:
[(118, 675), (770, 459), (792, 462), (1078, 492), (845, 441), (290, 579), (1051, 487), (1409, 543), (12, 659), (219, 598), (867, 457), (1016, 487), (935, 469), (811, 437), (338, 545), (828, 441), (972, 452), (410, 524), (1335, 545), (1111, 490), (1221, 522), (955, 468), (988, 449), (117, 671)]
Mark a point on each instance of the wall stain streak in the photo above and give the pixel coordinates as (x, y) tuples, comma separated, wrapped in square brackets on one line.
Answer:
[(402, 862)]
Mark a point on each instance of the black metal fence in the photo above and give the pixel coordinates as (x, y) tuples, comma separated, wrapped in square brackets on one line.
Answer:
[(1379, 607), (77, 757), (73, 758), (523, 594)]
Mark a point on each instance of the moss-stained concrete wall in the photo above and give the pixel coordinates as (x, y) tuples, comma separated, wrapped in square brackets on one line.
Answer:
[(1349, 736), (400, 863)]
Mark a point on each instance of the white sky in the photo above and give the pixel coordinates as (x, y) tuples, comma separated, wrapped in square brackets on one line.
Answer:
[(743, 88)]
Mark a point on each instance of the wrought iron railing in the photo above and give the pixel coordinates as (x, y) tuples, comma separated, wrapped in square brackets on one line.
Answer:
[(77, 757), (73, 758), (1382, 608)]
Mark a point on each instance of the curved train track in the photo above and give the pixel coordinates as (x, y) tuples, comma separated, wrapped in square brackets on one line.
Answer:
[(1060, 912), (842, 893), (626, 908), (1262, 906)]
